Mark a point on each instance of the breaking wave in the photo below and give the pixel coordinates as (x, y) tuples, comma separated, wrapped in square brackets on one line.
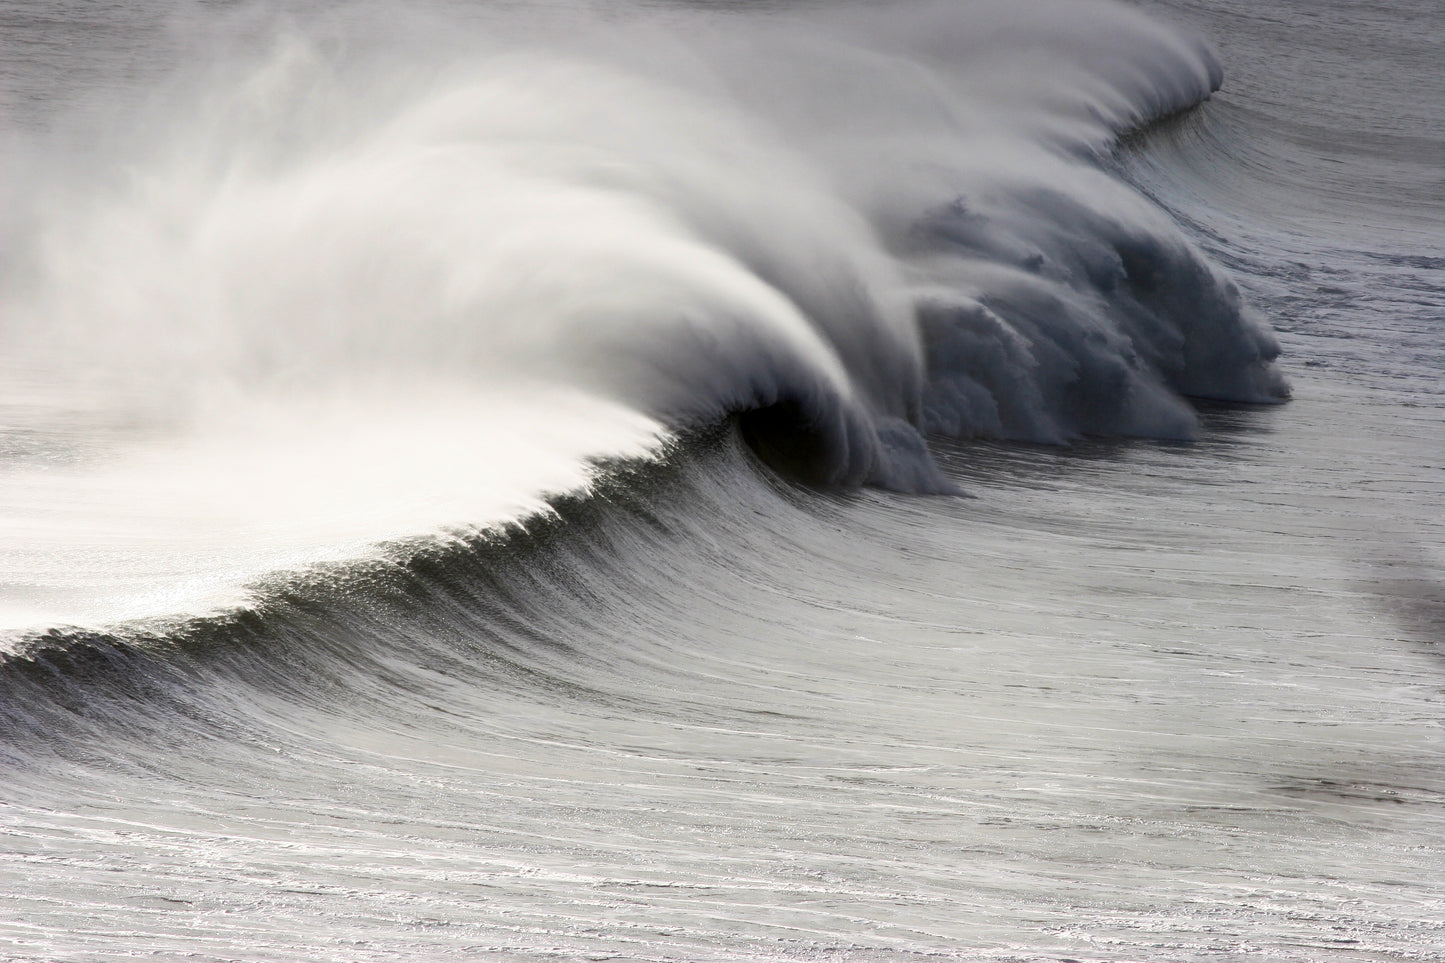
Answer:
[(318, 296)]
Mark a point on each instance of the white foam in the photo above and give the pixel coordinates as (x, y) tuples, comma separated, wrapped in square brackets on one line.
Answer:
[(187, 521)]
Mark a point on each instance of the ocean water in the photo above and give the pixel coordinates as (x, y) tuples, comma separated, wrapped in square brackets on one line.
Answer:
[(727, 481)]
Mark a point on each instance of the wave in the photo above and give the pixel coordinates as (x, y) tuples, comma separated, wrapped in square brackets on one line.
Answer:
[(458, 262), (493, 612)]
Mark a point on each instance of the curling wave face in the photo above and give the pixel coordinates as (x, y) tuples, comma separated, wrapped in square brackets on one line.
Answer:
[(324, 277)]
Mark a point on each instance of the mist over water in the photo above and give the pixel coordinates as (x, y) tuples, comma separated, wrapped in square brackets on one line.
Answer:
[(484, 480)]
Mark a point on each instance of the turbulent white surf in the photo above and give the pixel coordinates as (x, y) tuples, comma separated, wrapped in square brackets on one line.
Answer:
[(486, 480)]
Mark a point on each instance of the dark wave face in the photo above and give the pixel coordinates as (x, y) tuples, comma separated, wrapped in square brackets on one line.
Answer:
[(769, 481)]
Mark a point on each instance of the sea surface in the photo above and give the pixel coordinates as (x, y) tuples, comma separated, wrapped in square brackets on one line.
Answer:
[(667, 481)]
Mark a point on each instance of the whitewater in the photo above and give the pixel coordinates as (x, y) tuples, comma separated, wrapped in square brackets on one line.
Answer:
[(664, 481)]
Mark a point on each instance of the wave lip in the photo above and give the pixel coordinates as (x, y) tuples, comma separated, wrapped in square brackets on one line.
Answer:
[(1084, 319)]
